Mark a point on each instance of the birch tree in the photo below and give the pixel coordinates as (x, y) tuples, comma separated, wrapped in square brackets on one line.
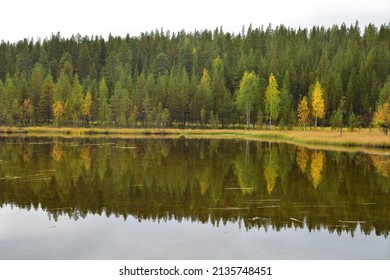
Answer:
[(318, 103), (272, 99), (247, 92)]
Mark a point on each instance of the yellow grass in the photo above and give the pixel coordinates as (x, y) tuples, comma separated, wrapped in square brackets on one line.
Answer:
[(362, 138)]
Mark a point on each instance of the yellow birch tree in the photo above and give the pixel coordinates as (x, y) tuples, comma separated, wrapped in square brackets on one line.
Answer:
[(318, 103), (272, 99)]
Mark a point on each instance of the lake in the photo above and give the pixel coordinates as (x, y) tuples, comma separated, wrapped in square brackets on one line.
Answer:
[(162, 198)]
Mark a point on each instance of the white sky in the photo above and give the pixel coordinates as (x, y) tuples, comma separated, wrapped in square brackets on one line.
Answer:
[(40, 18)]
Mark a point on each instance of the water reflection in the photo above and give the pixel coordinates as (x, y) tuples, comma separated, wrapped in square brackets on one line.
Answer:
[(261, 185)]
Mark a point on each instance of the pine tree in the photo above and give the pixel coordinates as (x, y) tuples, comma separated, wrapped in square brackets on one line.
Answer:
[(63, 88), (74, 104), (384, 95), (104, 108), (285, 102), (84, 61), (46, 100), (118, 104)]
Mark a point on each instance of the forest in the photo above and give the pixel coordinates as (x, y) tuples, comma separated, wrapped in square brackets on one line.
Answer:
[(261, 77)]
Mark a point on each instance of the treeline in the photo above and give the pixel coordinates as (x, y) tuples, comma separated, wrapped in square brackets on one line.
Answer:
[(161, 79)]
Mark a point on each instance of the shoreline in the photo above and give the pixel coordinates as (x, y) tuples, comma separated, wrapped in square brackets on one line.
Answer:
[(324, 137)]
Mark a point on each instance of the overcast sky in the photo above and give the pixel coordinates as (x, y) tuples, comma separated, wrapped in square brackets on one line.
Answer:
[(40, 18)]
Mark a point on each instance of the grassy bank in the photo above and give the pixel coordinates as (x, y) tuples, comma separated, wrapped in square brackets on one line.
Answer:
[(324, 137)]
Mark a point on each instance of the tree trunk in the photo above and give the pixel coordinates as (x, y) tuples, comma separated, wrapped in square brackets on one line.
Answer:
[(248, 115)]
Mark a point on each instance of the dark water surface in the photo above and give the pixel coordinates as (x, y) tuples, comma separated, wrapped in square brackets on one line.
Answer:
[(190, 199)]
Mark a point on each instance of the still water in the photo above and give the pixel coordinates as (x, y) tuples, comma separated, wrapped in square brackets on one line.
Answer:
[(153, 198)]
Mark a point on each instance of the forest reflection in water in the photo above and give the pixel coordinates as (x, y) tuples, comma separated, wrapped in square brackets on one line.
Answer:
[(254, 184)]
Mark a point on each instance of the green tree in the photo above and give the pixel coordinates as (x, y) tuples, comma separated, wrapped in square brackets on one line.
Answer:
[(203, 97), (147, 111), (165, 117), (272, 99), (63, 87), (46, 100), (16, 112), (353, 120), (161, 89), (337, 118), (104, 108), (223, 103), (182, 96), (37, 78), (118, 104), (133, 116), (185, 55), (384, 95), (246, 95), (8, 97), (84, 61), (285, 102), (74, 105), (161, 64), (159, 115)]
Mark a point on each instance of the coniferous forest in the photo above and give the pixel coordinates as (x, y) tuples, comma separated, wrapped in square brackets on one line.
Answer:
[(263, 76)]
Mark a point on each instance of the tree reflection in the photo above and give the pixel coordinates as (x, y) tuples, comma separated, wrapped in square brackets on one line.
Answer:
[(271, 168), (26, 153), (85, 157), (382, 164), (255, 184), (57, 152), (302, 158), (316, 165), (245, 170)]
